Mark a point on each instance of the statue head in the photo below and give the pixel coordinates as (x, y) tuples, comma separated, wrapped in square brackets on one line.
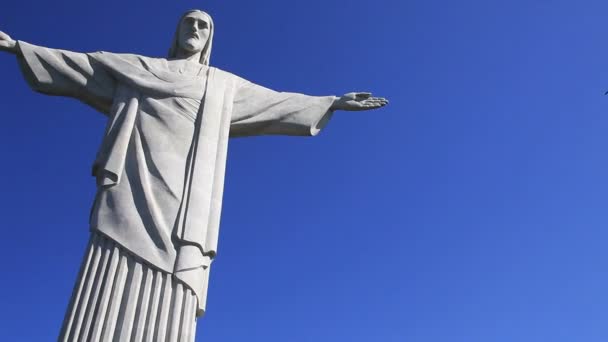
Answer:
[(194, 33)]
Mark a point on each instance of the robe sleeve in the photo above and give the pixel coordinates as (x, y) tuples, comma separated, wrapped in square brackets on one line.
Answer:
[(262, 111), (65, 73)]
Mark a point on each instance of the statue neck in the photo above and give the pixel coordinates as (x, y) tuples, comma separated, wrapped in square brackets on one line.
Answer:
[(187, 55)]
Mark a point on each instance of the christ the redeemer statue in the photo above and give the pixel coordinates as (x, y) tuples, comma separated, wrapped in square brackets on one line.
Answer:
[(160, 173)]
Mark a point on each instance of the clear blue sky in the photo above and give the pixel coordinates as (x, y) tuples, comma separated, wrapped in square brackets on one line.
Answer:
[(473, 208)]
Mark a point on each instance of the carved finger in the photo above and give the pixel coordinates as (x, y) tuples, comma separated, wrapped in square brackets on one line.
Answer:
[(4, 36), (382, 103), (363, 95)]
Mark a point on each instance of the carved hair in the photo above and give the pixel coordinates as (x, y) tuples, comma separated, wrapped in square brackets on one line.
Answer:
[(206, 53)]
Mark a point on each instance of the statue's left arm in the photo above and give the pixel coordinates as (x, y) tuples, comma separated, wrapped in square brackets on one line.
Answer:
[(261, 111)]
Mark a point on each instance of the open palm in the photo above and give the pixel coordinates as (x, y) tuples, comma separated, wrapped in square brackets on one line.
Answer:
[(359, 101)]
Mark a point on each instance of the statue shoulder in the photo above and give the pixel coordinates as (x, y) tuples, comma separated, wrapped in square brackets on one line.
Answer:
[(132, 64), (130, 58), (229, 76)]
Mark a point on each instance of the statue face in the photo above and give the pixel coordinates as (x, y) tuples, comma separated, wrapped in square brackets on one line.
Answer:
[(193, 32)]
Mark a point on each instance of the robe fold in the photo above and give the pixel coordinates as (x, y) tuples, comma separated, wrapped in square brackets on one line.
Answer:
[(160, 167)]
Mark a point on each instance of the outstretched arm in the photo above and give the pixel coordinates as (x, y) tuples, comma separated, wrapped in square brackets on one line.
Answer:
[(260, 111), (63, 73)]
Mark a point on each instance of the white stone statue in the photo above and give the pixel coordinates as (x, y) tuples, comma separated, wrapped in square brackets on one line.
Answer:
[(160, 173)]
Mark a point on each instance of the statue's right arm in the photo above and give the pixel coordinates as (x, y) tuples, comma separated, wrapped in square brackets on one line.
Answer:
[(63, 73)]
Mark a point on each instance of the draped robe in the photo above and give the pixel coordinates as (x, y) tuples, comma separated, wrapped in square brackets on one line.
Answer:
[(160, 167)]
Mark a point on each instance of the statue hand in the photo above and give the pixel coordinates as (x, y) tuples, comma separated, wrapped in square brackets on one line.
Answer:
[(358, 101), (7, 43)]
